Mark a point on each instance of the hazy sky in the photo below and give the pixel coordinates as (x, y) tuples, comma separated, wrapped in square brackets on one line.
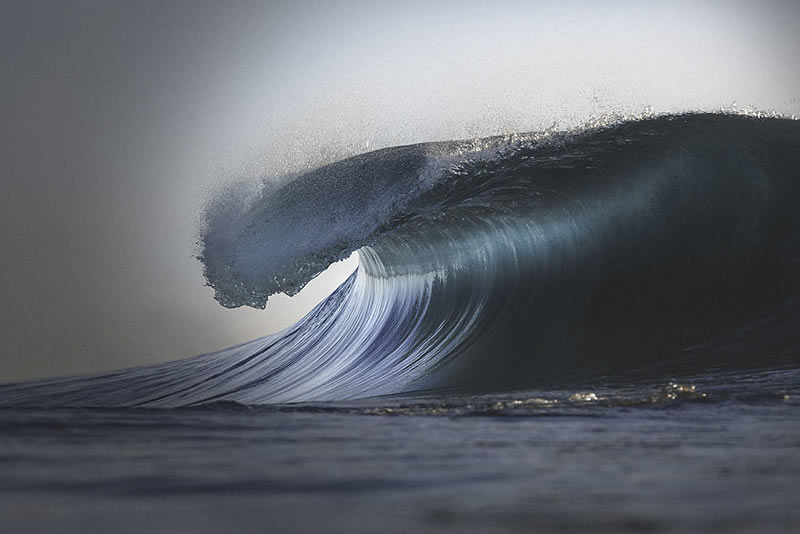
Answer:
[(117, 120)]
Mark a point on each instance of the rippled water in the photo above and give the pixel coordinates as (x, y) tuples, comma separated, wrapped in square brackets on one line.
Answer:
[(715, 453)]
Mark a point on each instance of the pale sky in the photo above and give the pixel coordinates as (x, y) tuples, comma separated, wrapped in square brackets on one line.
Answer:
[(118, 120)]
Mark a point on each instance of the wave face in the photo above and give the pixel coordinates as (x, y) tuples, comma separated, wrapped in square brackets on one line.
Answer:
[(649, 248)]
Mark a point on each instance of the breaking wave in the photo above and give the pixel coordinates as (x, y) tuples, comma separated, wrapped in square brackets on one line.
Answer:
[(651, 247)]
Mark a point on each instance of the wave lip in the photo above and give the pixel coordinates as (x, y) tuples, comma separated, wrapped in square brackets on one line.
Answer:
[(652, 246)]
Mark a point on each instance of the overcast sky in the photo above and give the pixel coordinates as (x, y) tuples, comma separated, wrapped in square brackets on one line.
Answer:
[(117, 120)]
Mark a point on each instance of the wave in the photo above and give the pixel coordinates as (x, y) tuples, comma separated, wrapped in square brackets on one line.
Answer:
[(650, 247)]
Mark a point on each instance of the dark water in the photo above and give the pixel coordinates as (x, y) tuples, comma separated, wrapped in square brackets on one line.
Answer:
[(713, 453), (650, 248), (591, 330)]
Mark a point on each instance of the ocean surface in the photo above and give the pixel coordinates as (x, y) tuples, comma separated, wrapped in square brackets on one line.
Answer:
[(596, 329), (717, 453)]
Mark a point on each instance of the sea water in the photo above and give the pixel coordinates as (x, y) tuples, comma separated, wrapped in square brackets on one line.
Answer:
[(718, 452)]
